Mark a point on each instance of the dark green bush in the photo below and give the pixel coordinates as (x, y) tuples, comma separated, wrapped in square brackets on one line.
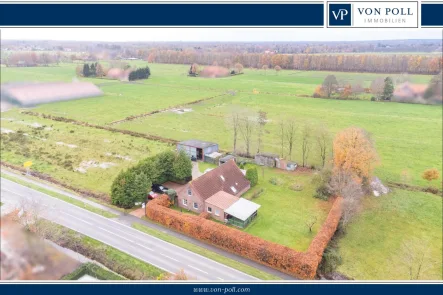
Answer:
[(252, 176), (330, 261)]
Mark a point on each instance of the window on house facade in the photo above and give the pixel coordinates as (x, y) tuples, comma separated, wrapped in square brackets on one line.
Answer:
[(209, 210), (217, 212), (195, 205), (185, 202), (189, 192)]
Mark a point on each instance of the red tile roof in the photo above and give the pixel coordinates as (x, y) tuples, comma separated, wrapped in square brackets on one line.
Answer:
[(227, 177), (222, 200), (408, 90)]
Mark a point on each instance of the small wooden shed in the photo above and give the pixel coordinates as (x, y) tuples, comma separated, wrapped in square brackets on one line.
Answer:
[(266, 159)]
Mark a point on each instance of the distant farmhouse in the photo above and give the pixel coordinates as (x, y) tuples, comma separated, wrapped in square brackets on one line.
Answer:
[(218, 192), (32, 94), (408, 92)]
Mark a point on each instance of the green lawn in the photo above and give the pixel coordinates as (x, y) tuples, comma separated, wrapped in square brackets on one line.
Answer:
[(207, 253), (372, 247), (284, 212)]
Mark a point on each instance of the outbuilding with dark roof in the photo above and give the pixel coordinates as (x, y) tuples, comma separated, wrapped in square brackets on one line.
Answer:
[(197, 148)]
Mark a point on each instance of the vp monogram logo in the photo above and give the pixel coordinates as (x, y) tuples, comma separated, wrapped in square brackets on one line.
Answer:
[(341, 13)]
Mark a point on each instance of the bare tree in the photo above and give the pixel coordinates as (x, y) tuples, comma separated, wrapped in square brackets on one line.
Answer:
[(311, 222), (262, 120), (235, 121), (291, 129), (306, 143), (342, 184), (265, 68), (416, 257), (323, 139), (246, 129), (282, 134)]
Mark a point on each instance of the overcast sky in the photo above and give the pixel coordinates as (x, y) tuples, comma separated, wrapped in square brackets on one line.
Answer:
[(215, 34)]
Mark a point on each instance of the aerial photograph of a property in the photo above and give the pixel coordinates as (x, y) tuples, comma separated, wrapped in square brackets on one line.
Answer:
[(221, 154)]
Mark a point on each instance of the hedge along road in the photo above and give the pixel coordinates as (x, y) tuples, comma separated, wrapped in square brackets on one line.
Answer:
[(124, 238)]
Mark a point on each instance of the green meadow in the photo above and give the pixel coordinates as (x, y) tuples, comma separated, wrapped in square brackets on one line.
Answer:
[(58, 148), (407, 138)]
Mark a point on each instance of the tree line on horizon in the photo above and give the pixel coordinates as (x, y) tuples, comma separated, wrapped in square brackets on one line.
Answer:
[(376, 63)]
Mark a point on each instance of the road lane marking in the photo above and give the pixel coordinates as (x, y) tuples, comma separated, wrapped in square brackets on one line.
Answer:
[(197, 269), (87, 222), (143, 246), (4, 189), (116, 234), (169, 257), (131, 229)]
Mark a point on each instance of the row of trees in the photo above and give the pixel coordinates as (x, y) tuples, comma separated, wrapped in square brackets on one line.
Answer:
[(292, 135), (141, 73), (195, 68), (382, 88), (133, 185), (91, 70), (377, 63), (30, 59)]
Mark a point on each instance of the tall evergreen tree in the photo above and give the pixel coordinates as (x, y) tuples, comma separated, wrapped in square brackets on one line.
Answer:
[(86, 72), (388, 89)]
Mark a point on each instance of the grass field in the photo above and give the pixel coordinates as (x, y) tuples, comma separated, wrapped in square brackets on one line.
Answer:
[(372, 247), (284, 212), (57, 148), (407, 137)]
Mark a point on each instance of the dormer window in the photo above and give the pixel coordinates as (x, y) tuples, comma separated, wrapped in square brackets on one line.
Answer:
[(234, 189)]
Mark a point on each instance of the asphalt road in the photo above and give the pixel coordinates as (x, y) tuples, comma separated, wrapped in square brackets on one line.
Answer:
[(150, 249)]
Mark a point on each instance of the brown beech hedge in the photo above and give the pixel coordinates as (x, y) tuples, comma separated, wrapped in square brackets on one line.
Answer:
[(302, 265)]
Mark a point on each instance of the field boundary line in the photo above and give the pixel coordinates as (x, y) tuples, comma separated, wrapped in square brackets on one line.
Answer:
[(107, 128), (130, 118)]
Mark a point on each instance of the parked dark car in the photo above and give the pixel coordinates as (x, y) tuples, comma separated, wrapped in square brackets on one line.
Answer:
[(158, 188), (193, 158)]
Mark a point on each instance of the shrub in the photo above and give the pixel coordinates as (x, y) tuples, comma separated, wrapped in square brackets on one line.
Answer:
[(274, 181), (296, 187), (129, 188), (132, 186), (182, 166), (252, 176), (256, 193), (331, 260), (172, 194), (322, 192)]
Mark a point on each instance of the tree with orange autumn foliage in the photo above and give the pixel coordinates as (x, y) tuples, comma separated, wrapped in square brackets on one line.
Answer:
[(354, 153), (319, 91), (431, 174)]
